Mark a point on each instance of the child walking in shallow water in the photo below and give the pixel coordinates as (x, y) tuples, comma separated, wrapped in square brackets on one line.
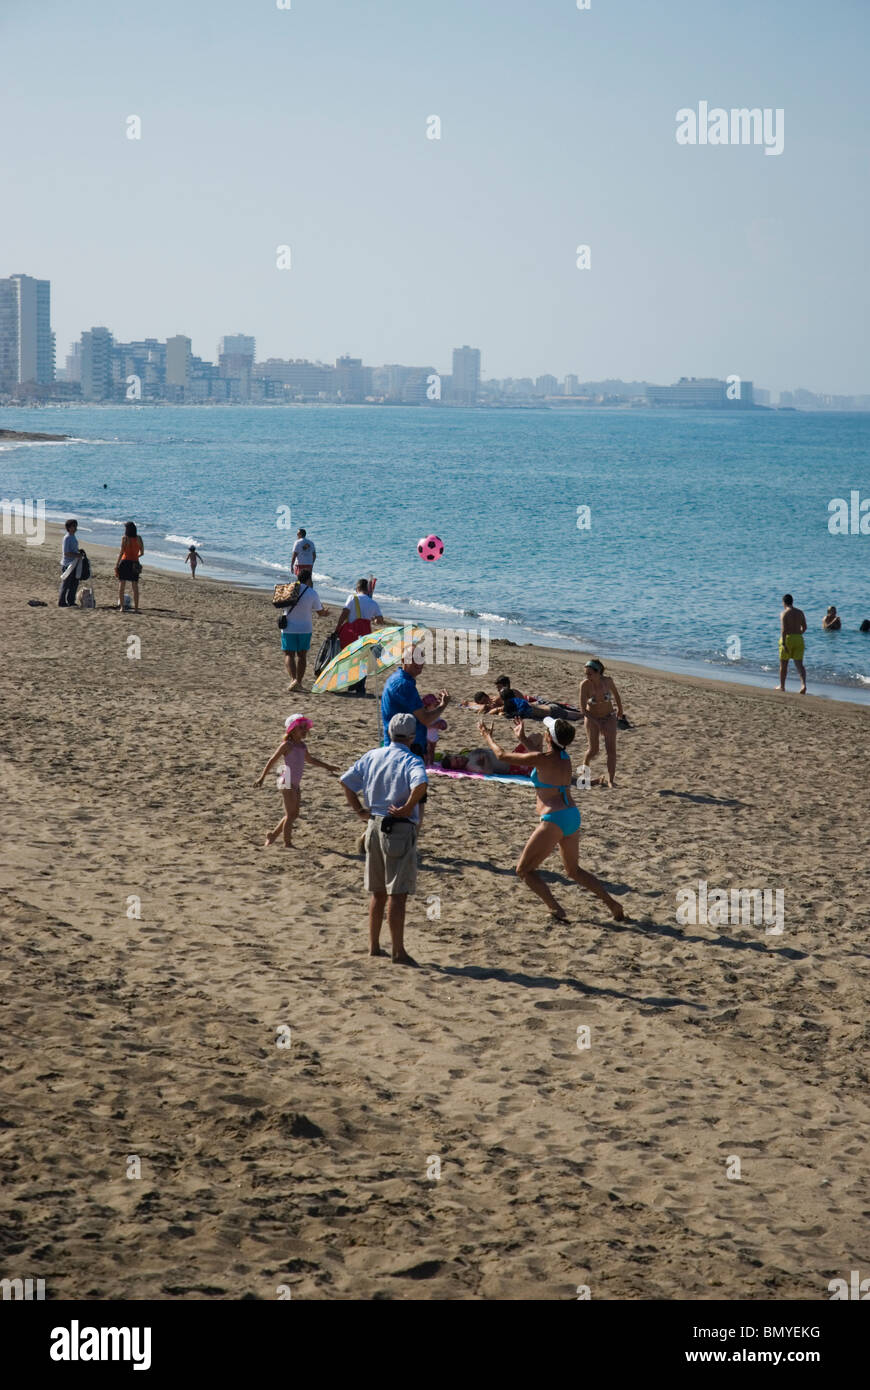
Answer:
[(295, 755)]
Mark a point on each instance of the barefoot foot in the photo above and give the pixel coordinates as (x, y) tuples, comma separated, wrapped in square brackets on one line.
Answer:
[(403, 959)]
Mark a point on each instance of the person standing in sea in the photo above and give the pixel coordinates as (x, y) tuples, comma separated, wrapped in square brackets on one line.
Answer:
[(793, 625), (303, 556)]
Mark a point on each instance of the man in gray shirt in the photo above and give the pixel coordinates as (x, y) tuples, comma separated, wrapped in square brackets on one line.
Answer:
[(393, 781)]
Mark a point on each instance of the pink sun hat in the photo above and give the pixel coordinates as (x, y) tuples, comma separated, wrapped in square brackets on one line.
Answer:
[(296, 721)]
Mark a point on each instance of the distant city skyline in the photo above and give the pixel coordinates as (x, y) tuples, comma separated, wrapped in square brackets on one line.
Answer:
[(102, 367), (375, 180)]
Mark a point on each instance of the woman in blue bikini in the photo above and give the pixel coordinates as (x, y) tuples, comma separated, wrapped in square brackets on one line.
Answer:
[(559, 817)]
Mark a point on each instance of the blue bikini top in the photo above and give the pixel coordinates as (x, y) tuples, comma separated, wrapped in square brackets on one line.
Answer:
[(553, 786)]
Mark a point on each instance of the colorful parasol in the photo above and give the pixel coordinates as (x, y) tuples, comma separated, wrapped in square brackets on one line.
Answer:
[(376, 651)]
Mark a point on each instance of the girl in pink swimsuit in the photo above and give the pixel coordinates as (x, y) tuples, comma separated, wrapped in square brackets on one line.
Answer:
[(295, 755)]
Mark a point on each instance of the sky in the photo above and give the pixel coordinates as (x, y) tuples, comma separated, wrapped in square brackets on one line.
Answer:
[(307, 127)]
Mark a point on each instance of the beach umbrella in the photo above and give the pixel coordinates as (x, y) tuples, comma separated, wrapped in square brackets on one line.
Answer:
[(376, 651)]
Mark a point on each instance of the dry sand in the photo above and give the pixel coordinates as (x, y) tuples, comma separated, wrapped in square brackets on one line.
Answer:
[(306, 1166)]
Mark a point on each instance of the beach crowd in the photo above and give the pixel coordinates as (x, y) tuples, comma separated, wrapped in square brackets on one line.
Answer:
[(387, 787)]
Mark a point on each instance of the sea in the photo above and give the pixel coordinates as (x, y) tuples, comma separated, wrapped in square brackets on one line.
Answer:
[(665, 538)]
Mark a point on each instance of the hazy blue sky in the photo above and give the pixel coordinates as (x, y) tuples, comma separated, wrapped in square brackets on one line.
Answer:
[(307, 127)]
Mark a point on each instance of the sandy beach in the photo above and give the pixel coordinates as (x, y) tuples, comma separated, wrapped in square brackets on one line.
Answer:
[(309, 1167)]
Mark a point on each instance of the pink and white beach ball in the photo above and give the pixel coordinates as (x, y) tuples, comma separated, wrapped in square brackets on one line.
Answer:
[(430, 548)]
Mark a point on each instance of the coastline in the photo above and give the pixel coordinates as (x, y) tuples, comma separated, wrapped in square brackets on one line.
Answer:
[(691, 673)]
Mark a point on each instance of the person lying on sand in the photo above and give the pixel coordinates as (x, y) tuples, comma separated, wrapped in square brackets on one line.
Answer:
[(515, 705), (482, 703), (480, 760), (559, 818)]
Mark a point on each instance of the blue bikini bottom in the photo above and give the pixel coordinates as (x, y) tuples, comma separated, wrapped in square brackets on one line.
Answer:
[(567, 819)]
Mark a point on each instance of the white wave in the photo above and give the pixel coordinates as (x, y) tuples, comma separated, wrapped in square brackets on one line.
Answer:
[(32, 443), (439, 607), (270, 564), (492, 618), (183, 540)]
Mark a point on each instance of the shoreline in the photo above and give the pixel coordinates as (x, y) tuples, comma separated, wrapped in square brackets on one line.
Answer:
[(636, 666)]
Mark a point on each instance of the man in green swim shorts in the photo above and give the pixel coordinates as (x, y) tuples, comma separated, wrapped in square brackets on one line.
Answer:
[(791, 643)]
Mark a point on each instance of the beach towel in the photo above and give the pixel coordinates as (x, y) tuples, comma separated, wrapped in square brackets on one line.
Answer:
[(484, 777)]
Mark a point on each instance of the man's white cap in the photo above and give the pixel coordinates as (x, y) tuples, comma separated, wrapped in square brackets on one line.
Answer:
[(402, 726)]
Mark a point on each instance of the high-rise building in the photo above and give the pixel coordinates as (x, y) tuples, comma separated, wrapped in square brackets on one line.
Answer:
[(26, 339), (237, 344), (572, 386), (466, 375), (8, 336), (177, 365), (96, 355), (547, 386), (236, 363), (301, 378), (146, 361), (352, 379), (73, 371)]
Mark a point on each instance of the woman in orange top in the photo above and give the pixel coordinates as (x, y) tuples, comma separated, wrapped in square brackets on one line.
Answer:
[(128, 568)]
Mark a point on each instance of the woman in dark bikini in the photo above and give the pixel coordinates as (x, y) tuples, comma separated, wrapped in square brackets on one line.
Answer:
[(601, 706), (551, 774)]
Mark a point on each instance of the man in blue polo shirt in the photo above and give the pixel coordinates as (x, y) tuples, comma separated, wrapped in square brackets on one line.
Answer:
[(401, 696), (393, 782)]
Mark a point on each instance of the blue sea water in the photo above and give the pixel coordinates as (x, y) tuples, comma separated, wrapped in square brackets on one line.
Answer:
[(700, 521)]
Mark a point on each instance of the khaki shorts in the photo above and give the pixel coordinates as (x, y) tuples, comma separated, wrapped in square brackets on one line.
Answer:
[(391, 860)]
